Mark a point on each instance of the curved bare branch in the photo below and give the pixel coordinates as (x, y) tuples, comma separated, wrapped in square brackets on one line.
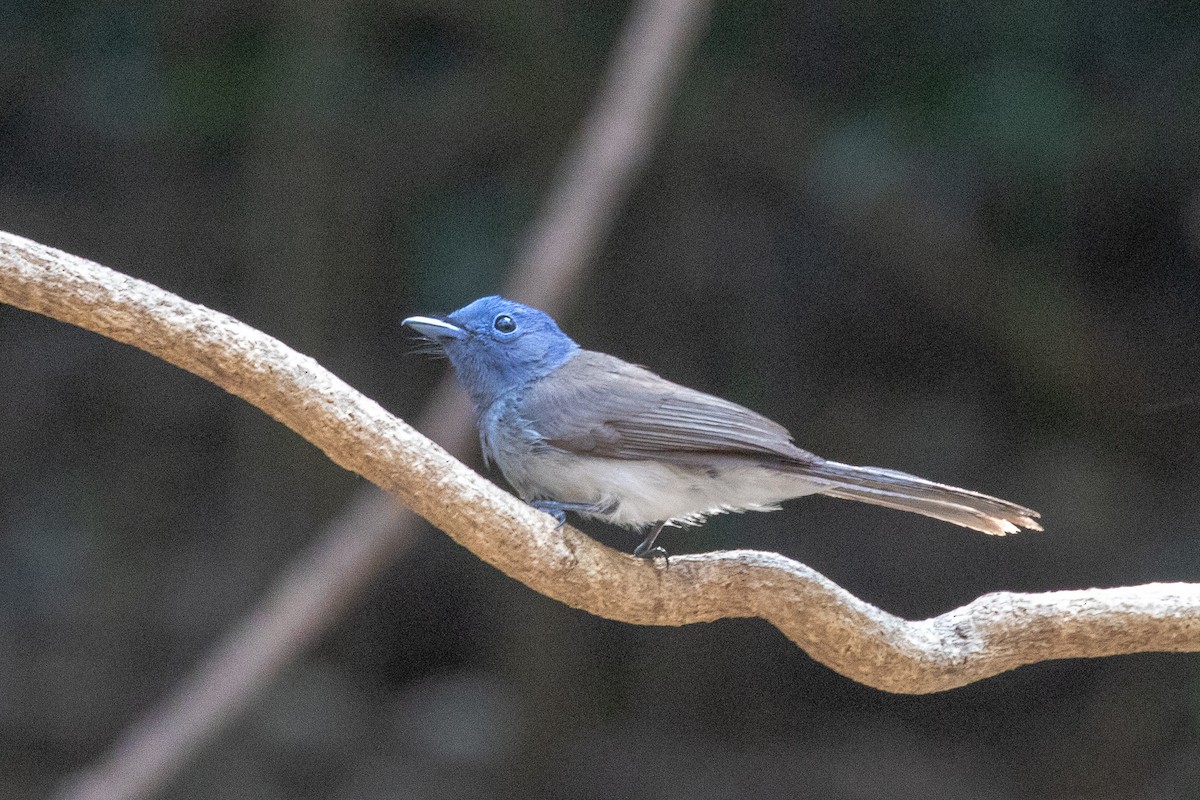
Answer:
[(588, 188), (995, 633)]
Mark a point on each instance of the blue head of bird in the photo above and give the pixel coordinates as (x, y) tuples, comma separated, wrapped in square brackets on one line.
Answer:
[(497, 345)]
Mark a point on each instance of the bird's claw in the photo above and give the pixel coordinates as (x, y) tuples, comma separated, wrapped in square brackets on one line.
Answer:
[(559, 510), (652, 553), (553, 509)]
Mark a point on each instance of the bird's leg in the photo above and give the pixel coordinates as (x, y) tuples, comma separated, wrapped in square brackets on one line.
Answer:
[(559, 510), (647, 549)]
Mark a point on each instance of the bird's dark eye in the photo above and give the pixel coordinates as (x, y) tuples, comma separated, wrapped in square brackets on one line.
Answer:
[(504, 323)]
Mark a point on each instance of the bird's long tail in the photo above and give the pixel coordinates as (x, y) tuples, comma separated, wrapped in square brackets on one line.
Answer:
[(899, 490)]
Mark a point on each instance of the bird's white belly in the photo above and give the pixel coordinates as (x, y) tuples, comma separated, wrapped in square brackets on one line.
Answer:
[(639, 493)]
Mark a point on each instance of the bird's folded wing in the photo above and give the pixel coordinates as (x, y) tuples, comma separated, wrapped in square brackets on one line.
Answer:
[(599, 405)]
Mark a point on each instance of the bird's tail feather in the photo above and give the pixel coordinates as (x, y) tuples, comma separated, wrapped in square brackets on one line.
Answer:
[(899, 490)]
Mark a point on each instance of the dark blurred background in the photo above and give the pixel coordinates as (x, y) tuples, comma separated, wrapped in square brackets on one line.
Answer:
[(955, 239)]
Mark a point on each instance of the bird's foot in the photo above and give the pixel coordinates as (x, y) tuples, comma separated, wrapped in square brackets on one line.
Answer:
[(559, 510), (555, 510), (652, 553), (647, 549)]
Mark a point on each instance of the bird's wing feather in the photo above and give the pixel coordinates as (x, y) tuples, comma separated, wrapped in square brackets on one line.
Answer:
[(599, 405)]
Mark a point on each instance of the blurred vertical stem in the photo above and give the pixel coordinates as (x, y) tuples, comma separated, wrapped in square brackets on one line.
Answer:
[(594, 176), (291, 240)]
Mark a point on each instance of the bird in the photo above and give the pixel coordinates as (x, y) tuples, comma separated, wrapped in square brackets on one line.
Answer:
[(579, 431)]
